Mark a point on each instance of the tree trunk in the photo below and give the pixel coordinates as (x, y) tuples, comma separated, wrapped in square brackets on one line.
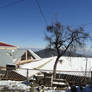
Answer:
[(55, 66)]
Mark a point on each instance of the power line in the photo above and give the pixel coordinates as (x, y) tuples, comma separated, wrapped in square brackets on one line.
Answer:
[(11, 4), (42, 14)]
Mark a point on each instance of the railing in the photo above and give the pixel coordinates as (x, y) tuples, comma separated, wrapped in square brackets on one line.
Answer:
[(22, 74)]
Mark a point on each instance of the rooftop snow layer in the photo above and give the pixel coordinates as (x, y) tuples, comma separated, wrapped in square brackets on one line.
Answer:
[(69, 65)]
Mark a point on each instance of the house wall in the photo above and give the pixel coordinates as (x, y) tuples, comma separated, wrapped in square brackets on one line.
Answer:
[(7, 48)]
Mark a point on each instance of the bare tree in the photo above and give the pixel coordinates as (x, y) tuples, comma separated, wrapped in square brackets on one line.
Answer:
[(63, 38)]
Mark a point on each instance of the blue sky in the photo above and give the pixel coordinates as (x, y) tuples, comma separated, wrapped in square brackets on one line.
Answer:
[(23, 25)]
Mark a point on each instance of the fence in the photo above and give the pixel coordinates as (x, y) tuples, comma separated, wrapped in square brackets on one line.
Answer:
[(22, 74), (30, 72)]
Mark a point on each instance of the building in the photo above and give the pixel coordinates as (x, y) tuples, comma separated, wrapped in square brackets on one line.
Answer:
[(10, 54), (22, 56), (6, 46), (11, 57)]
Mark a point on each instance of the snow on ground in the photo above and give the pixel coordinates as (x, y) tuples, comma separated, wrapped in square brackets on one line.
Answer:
[(13, 85), (67, 66)]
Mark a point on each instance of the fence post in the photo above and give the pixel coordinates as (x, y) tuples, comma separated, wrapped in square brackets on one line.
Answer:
[(52, 80), (27, 75), (91, 76)]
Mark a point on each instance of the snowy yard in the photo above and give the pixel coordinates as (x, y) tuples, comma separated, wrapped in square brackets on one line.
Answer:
[(13, 85), (19, 87)]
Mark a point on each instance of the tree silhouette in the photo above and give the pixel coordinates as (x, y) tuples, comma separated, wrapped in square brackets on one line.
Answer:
[(64, 38)]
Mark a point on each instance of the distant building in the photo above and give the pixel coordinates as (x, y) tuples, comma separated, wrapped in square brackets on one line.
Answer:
[(11, 57), (6, 46), (10, 54)]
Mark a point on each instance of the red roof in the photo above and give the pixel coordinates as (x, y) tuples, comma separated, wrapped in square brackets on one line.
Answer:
[(6, 45)]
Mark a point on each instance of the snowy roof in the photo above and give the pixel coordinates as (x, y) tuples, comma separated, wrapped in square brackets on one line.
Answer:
[(33, 65), (69, 65)]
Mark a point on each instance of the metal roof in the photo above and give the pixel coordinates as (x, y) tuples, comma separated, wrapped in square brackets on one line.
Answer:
[(6, 45)]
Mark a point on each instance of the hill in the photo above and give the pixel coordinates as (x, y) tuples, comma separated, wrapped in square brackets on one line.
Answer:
[(45, 53)]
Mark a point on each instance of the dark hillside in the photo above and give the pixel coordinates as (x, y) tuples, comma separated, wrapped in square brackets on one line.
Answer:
[(45, 53)]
